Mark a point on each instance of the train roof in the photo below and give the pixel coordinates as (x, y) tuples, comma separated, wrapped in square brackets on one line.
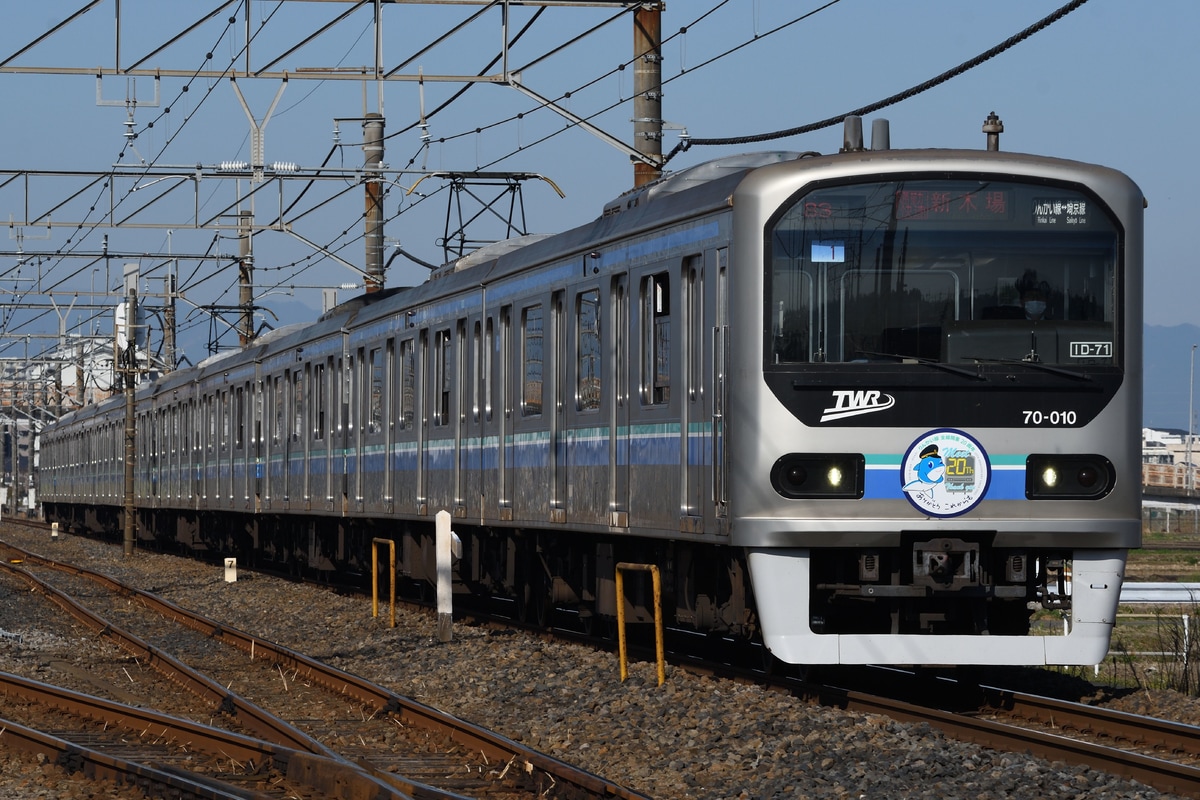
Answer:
[(690, 192), (692, 177), (676, 196)]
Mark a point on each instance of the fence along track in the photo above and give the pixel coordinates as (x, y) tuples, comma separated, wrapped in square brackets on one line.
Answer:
[(536, 768)]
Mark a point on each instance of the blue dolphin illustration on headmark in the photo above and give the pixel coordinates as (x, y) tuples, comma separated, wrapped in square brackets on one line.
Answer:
[(930, 472)]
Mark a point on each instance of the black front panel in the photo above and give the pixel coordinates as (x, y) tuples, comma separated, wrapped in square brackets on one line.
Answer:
[(1004, 399)]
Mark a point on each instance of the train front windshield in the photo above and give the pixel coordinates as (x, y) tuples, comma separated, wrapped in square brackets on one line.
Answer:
[(963, 270)]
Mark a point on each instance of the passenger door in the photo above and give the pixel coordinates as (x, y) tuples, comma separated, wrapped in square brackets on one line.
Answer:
[(587, 450), (558, 414), (620, 368), (695, 419)]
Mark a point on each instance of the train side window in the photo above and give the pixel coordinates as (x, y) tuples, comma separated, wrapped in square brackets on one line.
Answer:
[(408, 384), (489, 335), (203, 435), (588, 384), (279, 416), (348, 382), (443, 357), (532, 333), (459, 378), (389, 381), (375, 391), (226, 421), (693, 277), (656, 339), (319, 392), (259, 397), (504, 358), (297, 404), (478, 375), (239, 416)]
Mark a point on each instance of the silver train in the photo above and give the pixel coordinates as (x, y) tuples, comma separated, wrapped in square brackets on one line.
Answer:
[(875, 407)]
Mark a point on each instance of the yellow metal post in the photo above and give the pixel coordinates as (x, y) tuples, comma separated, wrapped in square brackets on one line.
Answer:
[(658, 623), (375, 576)]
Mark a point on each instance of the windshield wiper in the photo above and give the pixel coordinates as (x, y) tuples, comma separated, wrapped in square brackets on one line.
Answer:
[(928, 362), (1029, 362)]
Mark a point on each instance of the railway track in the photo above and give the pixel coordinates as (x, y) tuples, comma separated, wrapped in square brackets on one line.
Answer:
[(412, 749), (124, 744), (1158, 753)]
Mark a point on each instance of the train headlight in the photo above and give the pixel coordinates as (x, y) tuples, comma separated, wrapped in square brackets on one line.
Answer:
[(819, 475), (1068, 477)]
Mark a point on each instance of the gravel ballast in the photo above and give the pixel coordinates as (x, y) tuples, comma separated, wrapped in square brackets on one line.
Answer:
[(694, 738)]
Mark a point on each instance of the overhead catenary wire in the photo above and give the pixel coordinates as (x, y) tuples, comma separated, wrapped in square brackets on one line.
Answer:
[(235, 52), (913, 91), (71, 243), (339, 242)]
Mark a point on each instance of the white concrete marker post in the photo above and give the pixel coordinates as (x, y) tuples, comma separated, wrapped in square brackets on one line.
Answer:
[(447, 546), (231, 570)]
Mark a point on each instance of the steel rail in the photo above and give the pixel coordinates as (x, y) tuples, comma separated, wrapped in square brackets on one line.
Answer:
[(404, 709), (332, 778), (1164, 775), (375, 783), (258, 720), (1176, 738), (102, 766)]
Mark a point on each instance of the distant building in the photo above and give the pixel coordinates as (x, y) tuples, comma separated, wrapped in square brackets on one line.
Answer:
[(86, 370), (1168, 461)]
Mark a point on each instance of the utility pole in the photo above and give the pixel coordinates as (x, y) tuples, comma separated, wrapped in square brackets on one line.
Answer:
[(169, 323), (246, 276), (647, 91), (373, 219), (1191, 471), (80, 379), (16, 461), (129, 372)]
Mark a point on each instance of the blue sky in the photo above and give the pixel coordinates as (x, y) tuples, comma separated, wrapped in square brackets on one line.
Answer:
[(1110, 83)]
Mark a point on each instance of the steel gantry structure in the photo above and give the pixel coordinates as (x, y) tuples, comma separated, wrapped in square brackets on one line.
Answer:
[(167, 197), (137, 196)]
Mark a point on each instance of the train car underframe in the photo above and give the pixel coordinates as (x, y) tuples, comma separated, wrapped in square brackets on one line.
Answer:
[(913, 624), (534, 575), (953, 599), (942, 585)]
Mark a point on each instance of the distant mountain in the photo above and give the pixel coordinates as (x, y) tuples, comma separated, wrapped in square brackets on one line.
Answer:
[(1167, 356)]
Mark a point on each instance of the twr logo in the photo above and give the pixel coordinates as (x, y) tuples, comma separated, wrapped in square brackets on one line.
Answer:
[(852, 402)]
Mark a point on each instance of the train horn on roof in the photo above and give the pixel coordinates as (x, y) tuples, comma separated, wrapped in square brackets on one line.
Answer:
[(852, 135)]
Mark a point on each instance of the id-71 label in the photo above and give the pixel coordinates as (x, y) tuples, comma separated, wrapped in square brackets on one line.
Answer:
[(1091, 349)]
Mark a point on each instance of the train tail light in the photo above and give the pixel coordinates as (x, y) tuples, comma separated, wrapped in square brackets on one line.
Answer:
[(1068, 477), (819, 475)]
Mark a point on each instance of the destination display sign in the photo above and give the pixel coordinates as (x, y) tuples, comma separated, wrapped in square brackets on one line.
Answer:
[(945, 204), (928, 203), (1059, 211), (953, 204)]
